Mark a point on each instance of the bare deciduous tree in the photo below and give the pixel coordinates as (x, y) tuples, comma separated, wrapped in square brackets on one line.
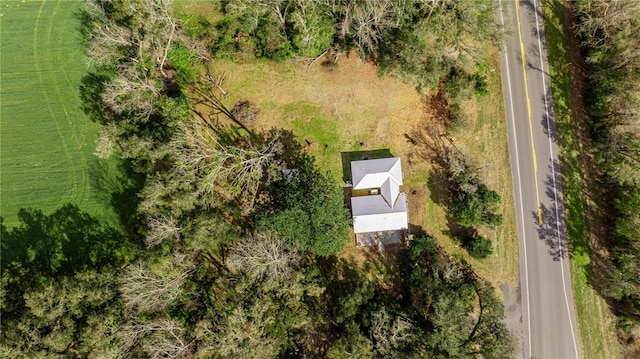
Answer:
[(151, 32), (161, 228), (460, 164), (107, 140), (132, 91), (159, 338), (146, 290), (243, 333), (161, 23), (601, 19), (167, 341), (389, 333), (227, 170), (369, 20), (107, 39), (263, 256), (278, 8)]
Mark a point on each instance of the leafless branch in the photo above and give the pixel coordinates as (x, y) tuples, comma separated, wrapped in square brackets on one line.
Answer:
[(146, 291), (131, 91), (161, 228), (263, 256), (316, 59), (235, 170), (160, 338)]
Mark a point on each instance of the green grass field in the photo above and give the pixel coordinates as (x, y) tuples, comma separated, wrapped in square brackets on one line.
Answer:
[(46, 140)]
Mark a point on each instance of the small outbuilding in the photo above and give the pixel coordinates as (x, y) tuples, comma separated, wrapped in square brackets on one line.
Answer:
[(380, 210)]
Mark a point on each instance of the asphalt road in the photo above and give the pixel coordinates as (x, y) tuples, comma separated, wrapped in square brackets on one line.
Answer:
[(548, 316)]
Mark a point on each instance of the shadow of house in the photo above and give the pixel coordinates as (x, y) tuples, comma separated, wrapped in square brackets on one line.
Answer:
[(348, 157)]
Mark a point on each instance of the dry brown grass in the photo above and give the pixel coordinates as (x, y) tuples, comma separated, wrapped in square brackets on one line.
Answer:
[(334, 109), (350, 108), (487, 142)]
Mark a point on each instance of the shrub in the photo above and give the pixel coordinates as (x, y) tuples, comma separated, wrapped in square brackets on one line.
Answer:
[(472, 209), (182, 62), (478, 246), (232, 39), (459, 85), (480, 77)]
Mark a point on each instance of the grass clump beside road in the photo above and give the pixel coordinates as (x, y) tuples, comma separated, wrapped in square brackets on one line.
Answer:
[(46, 140), (596, 323)]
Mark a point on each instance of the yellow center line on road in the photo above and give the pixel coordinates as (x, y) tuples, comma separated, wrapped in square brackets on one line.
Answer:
[(526, 90)]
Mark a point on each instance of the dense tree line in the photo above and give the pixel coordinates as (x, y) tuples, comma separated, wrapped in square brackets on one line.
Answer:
[(223, 253), (608, 31), (423, 43), (261, 301)]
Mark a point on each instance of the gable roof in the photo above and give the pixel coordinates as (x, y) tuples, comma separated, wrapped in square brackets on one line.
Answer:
[(386, 211), (373, 214), (383, 173)]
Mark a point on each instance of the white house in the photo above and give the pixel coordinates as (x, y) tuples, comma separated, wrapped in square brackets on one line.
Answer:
[(379, 208)]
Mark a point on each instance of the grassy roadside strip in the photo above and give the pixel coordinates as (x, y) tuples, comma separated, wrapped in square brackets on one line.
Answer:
[(596, 323)]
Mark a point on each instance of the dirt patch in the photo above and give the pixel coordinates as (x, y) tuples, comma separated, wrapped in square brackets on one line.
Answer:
[(513, 314)]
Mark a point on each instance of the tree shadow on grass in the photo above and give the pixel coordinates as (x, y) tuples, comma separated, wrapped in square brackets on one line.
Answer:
[(431, 142), (438, 185), (457, 231), (120, 184), (349, 296), (62, 243), (47, 245), (91, 89)]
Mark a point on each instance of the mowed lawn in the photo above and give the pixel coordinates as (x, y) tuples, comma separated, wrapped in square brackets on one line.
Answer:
[(46, 140)]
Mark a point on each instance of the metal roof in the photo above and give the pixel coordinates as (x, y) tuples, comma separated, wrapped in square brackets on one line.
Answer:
[(384, 211), (383, 173)]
